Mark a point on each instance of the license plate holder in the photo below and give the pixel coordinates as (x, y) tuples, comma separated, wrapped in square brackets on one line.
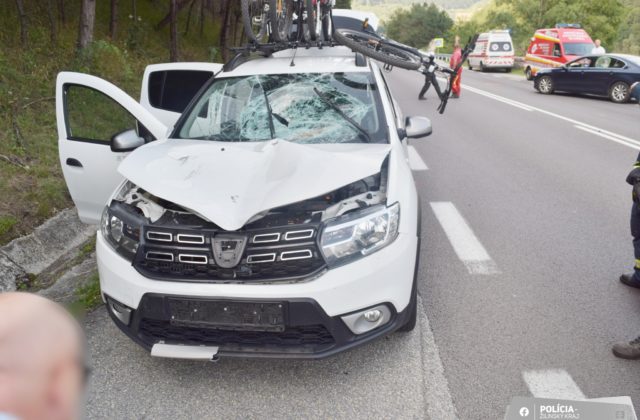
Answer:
[(228, 315)]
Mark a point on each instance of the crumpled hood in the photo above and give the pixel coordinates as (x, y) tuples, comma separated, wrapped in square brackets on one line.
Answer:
[(229, 183)]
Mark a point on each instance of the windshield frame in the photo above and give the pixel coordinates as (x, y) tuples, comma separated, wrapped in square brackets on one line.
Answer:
[(383, 131)]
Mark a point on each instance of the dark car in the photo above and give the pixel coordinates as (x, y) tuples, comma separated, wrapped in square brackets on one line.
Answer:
[(610, 75)]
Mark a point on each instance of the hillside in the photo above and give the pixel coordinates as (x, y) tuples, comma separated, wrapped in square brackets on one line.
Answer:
[(384, 8)]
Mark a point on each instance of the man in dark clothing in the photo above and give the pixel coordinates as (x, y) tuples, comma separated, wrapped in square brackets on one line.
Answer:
[(425, 88), (631, 349)]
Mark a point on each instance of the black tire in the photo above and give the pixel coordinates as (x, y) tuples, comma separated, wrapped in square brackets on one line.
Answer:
[(281, 20), (528, 74), (469, 65), (378, 49), (249, 10), (327, 26), (312, 20), (482, 69), (508, 70), (620, 92), (545, 85)]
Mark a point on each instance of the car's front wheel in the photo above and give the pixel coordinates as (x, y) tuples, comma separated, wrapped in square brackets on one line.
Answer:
[(545, 85), (620, 92), (528, 74)]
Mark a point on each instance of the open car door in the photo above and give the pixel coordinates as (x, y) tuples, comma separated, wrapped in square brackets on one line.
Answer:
[(89, 112), (168, 88)]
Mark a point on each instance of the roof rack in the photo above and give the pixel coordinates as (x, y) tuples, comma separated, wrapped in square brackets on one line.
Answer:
[(243, 54)]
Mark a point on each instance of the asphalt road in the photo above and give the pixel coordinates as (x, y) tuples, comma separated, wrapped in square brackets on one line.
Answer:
[(538, 183)]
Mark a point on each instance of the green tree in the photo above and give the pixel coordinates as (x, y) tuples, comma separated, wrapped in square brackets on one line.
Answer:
[(343, 4), (418, 25)]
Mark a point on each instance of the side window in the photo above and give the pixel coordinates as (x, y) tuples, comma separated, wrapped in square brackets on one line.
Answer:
[(172, 90), (556, 50), (82, 107), (616, 64)]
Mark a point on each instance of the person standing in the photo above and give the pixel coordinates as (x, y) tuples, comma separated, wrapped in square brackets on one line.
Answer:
[(631, 349), (598, 48), (455, 60)]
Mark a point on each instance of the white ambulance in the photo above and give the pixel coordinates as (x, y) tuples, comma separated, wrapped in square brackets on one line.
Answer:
[(494, 50)]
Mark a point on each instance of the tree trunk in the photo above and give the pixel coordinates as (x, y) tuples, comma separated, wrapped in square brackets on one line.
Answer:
[(52, 23), (173, 47), (201, 22), (180, 4), (186, 28), (87, 20), (61, 14), (224, 31), (134, 10), (23, 22), (113, 23)]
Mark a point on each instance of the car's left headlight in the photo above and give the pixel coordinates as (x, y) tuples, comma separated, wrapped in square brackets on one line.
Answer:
[(360, 233), (120, 227)]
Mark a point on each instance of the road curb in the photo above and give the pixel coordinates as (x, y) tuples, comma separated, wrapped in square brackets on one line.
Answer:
[(32, 254)]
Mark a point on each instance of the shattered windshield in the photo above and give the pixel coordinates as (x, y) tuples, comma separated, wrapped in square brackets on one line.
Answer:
[(301, 108)]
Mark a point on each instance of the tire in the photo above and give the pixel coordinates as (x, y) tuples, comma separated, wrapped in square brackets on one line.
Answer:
[(508, 70), (620, 92), (545, 85), (469, 65), (281, 20), (482, 69), (248, 12), (527, 74), (312, 20), (413, 302), (327, 26), (367, 45)]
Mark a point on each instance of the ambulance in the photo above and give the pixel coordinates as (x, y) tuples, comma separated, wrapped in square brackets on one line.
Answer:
[(555, 47), (493, 50)]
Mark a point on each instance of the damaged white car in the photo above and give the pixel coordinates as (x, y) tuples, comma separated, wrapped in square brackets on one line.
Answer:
[(269, 211)]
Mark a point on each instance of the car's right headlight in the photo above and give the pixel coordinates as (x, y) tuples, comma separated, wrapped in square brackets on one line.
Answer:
[(359, 233)]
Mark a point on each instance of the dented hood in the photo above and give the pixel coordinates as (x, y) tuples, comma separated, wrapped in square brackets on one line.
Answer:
[(229, 183)]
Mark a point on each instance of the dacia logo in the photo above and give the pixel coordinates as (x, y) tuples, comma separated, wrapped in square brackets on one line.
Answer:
[(228, 249)]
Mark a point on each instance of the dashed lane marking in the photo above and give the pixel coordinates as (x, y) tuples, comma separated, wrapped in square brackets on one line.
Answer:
[(552, 383), (464, 241)]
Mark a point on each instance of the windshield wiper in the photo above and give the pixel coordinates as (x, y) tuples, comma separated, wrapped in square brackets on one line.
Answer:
[(269, 114), (335, 107)]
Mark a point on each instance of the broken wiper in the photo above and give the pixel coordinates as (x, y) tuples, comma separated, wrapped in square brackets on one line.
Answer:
[(271, 115), (335, 107)]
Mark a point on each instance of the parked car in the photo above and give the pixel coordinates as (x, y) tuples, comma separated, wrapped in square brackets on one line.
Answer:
[(353, 19), (493, 50), (603, 75), (551, 48), (276, 216)]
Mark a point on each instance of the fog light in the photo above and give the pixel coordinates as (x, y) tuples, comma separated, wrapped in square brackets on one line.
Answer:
[(368, 319), (120, 311), (373, 316)]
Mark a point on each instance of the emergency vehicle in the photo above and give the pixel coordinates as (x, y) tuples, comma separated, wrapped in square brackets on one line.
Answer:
[(494, 50), (556, 46)]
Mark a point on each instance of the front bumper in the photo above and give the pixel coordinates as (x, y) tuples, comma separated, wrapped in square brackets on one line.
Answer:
[(314, 327)]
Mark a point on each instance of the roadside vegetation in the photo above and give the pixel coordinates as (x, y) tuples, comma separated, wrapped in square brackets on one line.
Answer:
[(39, 38)]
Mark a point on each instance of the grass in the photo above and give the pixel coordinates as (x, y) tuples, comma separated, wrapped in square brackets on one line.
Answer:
[(31, 181), (87, 297)]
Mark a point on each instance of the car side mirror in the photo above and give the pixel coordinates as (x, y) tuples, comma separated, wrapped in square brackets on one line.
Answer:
[(126, 141), (417, 127)]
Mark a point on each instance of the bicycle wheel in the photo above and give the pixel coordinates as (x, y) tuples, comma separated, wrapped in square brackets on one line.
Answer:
[(281, 18), (254, 19), (327, 23), (312, 19), (377, 48)]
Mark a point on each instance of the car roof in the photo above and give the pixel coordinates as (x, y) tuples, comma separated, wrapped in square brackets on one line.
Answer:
[(628, 57), (337, 59)]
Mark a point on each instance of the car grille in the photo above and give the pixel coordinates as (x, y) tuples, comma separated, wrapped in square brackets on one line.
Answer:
[(308, 338), (276, 254)]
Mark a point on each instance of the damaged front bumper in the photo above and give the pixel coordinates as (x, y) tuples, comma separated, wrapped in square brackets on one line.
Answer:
[(314, 325)]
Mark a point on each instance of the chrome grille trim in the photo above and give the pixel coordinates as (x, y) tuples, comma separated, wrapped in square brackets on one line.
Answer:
[(159, 236), (261, 258), (298, 234), (193, 259), (265, 238), (300, 254), (185, 238), (159, 256)]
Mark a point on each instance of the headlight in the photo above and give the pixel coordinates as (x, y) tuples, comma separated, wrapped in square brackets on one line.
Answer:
[(121, 227), (361, 233)]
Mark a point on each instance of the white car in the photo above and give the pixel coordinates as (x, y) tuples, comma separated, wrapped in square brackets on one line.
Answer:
[(276, 216), (493, 50)]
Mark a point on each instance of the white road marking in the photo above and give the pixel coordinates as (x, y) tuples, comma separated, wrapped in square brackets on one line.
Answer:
[(439, 404), (621, 140), (629, 142), (464, 241), (415, 161), (552, 383)]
